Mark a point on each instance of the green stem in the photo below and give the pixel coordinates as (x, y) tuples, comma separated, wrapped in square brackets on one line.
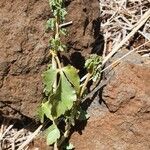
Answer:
[(58, 62), (85, 84), (54, 66), (57, 27)]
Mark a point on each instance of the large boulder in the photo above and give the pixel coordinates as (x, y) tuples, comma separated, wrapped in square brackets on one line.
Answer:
[(128, 89), (24, 48)]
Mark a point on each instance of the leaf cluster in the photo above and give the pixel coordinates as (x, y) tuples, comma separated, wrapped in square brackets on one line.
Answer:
[(58, 9), (59, 12), (61, 97), (93, 66)]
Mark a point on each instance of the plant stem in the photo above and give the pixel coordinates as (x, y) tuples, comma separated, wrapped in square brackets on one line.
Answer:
[(55, 146), (58, 62), (54, 66), (65, 135), (85, 84), (57, 27)]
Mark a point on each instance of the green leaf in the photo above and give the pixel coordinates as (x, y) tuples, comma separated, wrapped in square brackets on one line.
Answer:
[(49, 78), (56, 44), (64, 98), (93, 66), (62, 13), (51, 24), (45, 110), (40, 114), (73, 77), (46, 107), (53, 134)]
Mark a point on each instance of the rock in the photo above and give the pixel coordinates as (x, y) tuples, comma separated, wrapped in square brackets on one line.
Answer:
[(112, 131), (127, 97), (4, 68), (84, 33), (128, 91), (86, 25), (24, 48)]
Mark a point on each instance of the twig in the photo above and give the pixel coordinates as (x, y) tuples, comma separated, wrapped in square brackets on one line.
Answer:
[(83, 78), (98, 87), (65, 24), (6, 132), (85, 84), (145, 50), (55, 146), (115, 62), (105, 45)]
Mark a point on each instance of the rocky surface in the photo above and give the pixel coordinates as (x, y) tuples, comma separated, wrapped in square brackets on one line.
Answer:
[(128, 90), (24, 48), (114, 132), (122, 120)]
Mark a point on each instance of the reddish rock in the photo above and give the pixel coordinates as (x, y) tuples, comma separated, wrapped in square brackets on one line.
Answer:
[(128, 90), (118, 132), (122, 122), (24, 48)]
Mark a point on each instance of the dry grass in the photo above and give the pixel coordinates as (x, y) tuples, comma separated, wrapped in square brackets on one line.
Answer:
[(10, 137), (119, 18)]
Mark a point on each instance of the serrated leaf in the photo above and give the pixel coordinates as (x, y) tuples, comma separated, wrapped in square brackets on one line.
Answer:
[(62, 13), (73, 77), (64, 97), (56, 44), (93, 66), (53, 134), (49, 78)]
